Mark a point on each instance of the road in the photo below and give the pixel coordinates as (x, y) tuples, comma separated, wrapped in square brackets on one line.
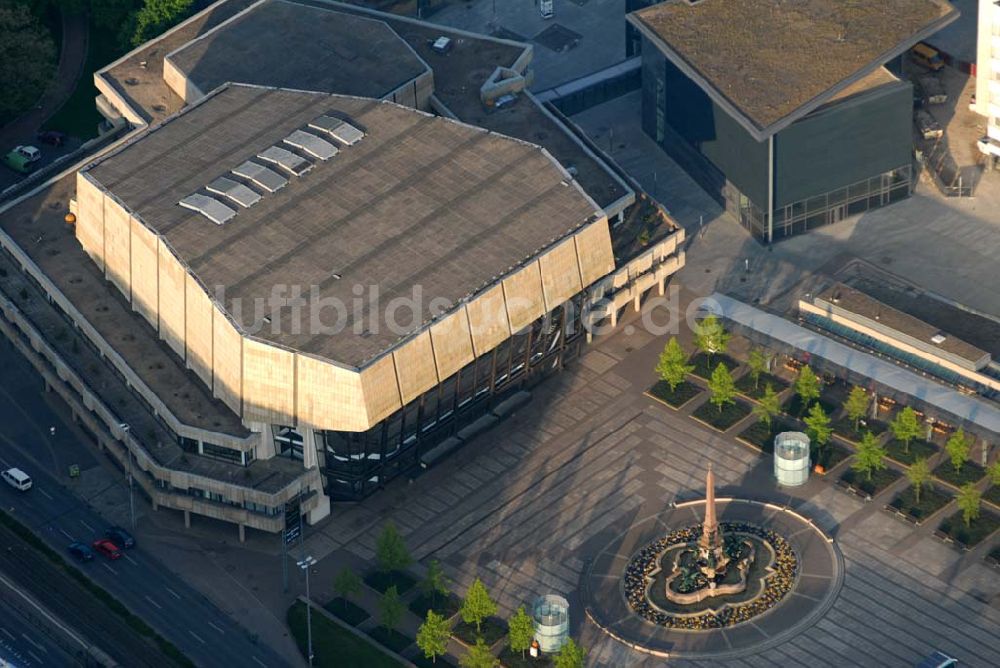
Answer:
[(177, 611), (25, 646)]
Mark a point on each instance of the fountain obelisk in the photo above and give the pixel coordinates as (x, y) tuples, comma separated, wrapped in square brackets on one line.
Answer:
[(710, 543)]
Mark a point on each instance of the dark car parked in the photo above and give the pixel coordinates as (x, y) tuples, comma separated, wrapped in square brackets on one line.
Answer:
[(123, 539), (80, 552), (52, 137)]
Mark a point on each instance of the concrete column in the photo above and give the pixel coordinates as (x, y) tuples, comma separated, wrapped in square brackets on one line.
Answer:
[(187, 519), (662, 286), (156, 506), (243, 534)]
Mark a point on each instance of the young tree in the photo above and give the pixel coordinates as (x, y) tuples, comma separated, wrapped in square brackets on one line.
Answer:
[(477, 605), (570, 655), (818, 425), (993, 471), (769, 405), (346, 584), (520, 631), (758, 361), (433, 635), (479, 656), (390, 609), (807, 386), (968, 502), (856, 406), (905, 427), (870, 457), (710, 337), (390, 550), (672, 367), (919, 475), (722, 387), (958, 447), (435, 583)]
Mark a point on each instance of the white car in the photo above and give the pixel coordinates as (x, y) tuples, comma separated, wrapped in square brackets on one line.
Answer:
[(17, 479)]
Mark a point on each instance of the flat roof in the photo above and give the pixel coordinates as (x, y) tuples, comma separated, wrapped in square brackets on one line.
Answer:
[(420, 201), (866, 306), (288, 45), (770, 62)]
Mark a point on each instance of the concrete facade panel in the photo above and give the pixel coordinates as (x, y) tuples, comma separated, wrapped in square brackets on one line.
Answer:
[(90, 218), (488, 322), (268, 383), (560, 274), (381, 389), (171, 287), (145, 289), (452, 343), (415, 367), (523, 294), (198, 331), (117, 240), (594, 252), (227, 360), (329, 397)]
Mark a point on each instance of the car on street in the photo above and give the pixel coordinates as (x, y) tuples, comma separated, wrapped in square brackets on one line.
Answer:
[(80, 552), (123, 539), (928, 126), (107, 548), (51, 137), (17, 479), (23, 158)]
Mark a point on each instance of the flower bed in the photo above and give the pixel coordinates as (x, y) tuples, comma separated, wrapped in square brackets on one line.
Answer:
[(684, 393), (446, 606), (931, 501), (879, 480), (829, 455), (382, 580), (844, 427), (703, 367), (724, 419), (344, 609), (745, 385), (394, 640), (759, 435), (994, 556), (512, 659), (954, 527), (493, 628), (968, 473), (992, 495), (794, 406), (918, 449)]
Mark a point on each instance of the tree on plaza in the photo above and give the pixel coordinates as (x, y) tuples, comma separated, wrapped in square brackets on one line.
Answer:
[(870, 456), (905, 427), (818, 425), (968, 502), (856, 406), (390, 609), (570, 655), (433, 635), (958, 447), (758, 361), (346, 584), (993, 471), (722, 387), (520, 631), (479, 656), (390, 550), (27, 60), (672, 366), (710, 337), (919, 475), (769, 405), (807, 386), (435, 582), (477, 605)]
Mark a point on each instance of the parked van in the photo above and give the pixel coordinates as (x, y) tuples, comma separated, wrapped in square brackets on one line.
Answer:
[(927, 56), (17, 479)]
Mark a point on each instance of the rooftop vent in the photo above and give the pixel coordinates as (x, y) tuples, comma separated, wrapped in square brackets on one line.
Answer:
[(938, 339), (233, 190), (339, 129), (213, 209), (284, 158), (268, 179), (442, 44), (311, 144)]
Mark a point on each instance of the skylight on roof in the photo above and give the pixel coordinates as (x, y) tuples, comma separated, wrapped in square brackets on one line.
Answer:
[(234, 191), (211, 208), (311, 144), (284, 158), (268, 179), (339, 129)]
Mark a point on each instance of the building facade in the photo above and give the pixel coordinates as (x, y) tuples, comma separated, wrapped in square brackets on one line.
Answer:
[(988, 75)]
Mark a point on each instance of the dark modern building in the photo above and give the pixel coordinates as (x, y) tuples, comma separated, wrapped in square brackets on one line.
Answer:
[(785, 112)]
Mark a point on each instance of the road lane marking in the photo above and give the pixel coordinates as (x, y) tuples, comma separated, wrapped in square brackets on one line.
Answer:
[(259, 662), (133, 561), (7, 633), (66, 533), (88, 526), (196, 637), (44, 493), (34, 643), (173, 593), (158, 606), (35, 657), (110, 569), (217, 628)]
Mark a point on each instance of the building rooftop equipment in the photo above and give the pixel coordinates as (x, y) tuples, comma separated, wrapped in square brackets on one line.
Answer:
[(422, 202), (770, 62)]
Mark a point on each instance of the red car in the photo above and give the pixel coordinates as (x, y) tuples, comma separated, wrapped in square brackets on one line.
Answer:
[(107, 548)]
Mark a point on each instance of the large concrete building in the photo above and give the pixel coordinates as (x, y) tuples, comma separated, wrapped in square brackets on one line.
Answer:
[(988, 74), (784, 112), (224, 300)]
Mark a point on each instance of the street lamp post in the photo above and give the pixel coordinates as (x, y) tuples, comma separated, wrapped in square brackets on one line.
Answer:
[(128, 453), (305, 564)]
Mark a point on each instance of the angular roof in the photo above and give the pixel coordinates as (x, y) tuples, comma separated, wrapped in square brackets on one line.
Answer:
[(288, 45), (770, 62), (421, 202)]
